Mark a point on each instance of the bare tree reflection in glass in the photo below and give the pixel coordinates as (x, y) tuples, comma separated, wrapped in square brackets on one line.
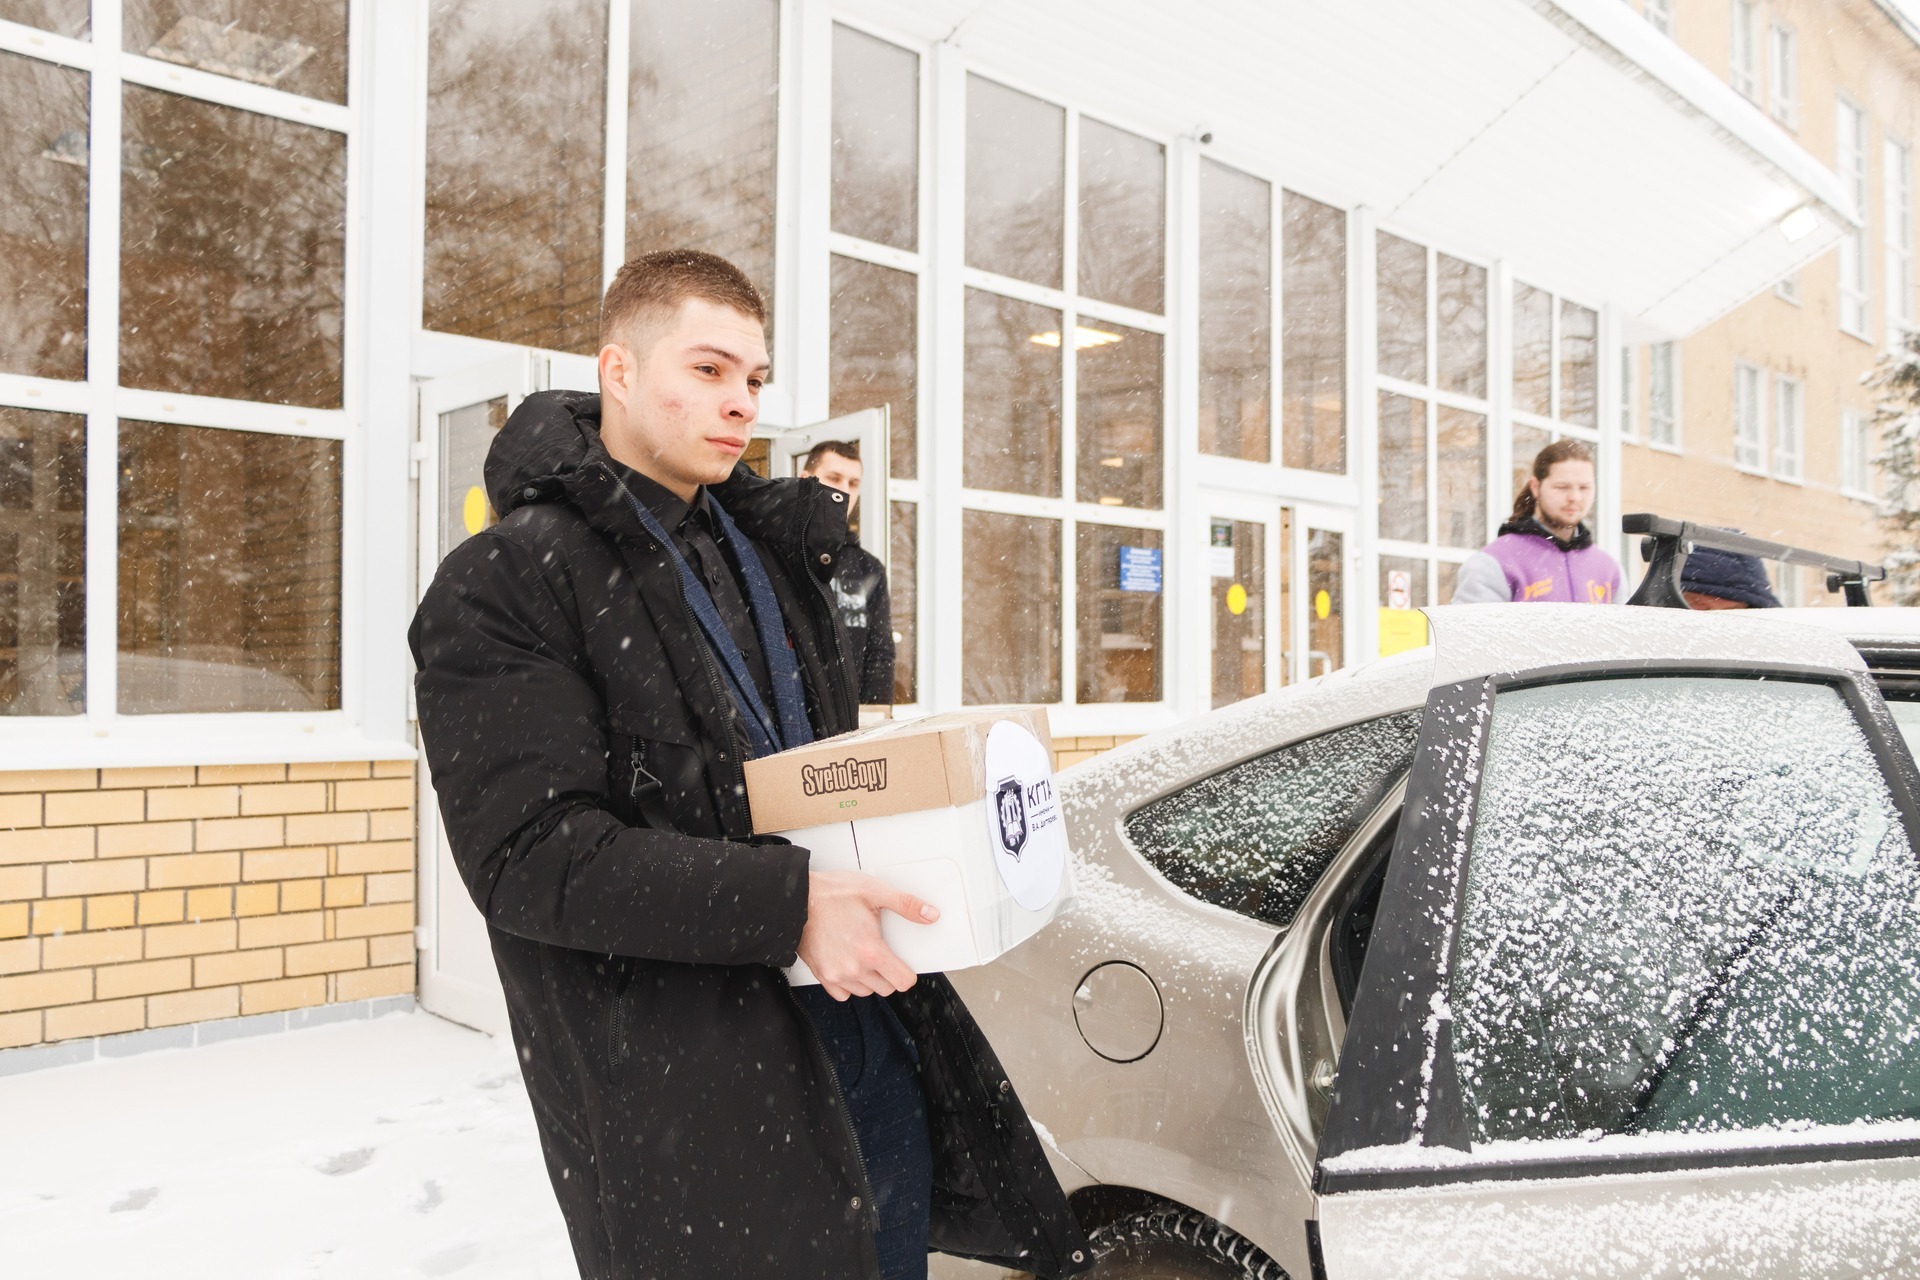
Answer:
[(1117, 630), (876, 139), (1313, 335), (1462, 306), (703, 117), (1010, 609), (68, 18), (1016, 183), (903, 598), (871, 355), (1403, 468), (516, 167), (1401, 294), (1532, 351), (1123, 217), (1579, 365), (1118, 401), (1236, 314), (233, 248), (43, 219), (296, 46), (43, 563), (1461, 477), (230, 605), (1011, 401)]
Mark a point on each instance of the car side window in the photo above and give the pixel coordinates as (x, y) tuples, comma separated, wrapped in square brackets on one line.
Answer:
[(1254, 838), (1690, 905)]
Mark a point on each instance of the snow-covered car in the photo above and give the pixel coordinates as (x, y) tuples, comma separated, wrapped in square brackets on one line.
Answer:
[(1581, 942)]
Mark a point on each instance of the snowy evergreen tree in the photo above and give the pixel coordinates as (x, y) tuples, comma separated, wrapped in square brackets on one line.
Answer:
[(1896, 380)]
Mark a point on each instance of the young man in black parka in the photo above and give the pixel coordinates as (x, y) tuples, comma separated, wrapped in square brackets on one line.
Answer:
[(592, 671)]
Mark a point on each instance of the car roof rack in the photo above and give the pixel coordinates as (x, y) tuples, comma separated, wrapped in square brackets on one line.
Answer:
[(1667, 543)]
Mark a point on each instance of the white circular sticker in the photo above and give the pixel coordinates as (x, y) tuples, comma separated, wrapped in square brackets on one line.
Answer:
[(1024, 825)]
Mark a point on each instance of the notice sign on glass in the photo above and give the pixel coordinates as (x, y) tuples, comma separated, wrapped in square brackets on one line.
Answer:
[(1140, 569), (1220, 549)]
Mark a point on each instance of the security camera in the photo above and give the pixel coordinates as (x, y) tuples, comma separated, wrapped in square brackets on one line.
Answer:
[(1204, 133)]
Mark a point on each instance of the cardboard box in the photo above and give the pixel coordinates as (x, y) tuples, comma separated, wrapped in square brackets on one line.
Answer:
[(958, 809)]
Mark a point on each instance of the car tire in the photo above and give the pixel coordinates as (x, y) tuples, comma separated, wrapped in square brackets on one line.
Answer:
[(1176, 1244)]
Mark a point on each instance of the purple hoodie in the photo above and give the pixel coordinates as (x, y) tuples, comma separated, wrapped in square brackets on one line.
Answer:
[(1528, 564)]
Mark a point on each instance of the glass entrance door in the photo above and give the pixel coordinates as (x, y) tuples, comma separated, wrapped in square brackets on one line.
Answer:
[(1249, 576), (458, 419)]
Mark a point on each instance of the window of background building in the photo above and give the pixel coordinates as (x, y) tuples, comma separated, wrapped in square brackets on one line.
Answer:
[(1629, 394), (1789, 426), (1742, 73), (516, 169), (1783, 75), (1856, 455), (1850, 166), (1663, 395), (1660, 14), (228, 247), (873, 347), (1787, 288), (1749, 439), (1556, 380), (1897, 185), (1038, 324)]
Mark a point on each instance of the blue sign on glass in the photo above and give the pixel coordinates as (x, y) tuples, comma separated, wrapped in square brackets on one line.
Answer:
[(1140, 569)]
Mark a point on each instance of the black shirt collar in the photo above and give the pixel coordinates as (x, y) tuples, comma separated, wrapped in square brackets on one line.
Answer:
[(665, 505)]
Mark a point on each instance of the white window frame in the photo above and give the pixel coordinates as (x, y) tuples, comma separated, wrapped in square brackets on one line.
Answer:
[(1896, 185), (102, 735), (1749, 418), (1742, 72), (1783, 74), (1629, 393), (1856, 456), (1663, 431), (1789, 428), (1850, 166)]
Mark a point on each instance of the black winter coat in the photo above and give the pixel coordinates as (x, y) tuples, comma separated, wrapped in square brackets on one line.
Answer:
[(860, 590), (687, 1111)]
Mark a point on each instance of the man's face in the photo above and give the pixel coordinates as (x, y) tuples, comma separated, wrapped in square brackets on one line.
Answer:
[(1701, 600), (684, 393), (838, 472), (1566, 496)]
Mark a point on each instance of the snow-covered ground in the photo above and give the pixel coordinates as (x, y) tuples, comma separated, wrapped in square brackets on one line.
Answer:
[(397, 1147)]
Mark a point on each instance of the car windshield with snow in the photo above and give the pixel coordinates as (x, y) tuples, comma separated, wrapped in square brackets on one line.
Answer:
[(1581, 942)]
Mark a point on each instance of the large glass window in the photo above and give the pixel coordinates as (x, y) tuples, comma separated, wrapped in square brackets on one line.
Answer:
[(297, 46), (1754, 960), (516, 167), (1123, 217), (231, 605), (1012, 400), (1236, 314), (1403, 468), (1237, 587), (1313, 335), (1461, 312), (43, 218), (1850, 166), (1010, 630), (1016, 183), (1402, 302), (1255, 838), (1532, 351), (872, 355), (70, 18), (1663, 394), (903, 598), (1118, 405), (43, 563), (1461, 477), (1789, 426), (702, 147), (876, 140), (1119, 591), (233, 253)]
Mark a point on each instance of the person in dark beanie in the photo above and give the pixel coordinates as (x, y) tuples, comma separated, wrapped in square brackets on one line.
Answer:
[(859, 579), (1725, 580), (593, 670)]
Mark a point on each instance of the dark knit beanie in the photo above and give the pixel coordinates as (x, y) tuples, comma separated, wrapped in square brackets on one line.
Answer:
[(1729, 576)]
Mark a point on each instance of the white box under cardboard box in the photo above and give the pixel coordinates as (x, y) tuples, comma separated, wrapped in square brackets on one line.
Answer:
[(957, 809)]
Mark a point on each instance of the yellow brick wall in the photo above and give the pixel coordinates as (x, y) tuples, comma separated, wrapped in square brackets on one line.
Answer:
[(1068, 751), (137, 898)]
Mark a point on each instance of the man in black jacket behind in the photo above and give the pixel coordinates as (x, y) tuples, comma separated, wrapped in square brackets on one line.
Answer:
[(592, 672), (859, 579)]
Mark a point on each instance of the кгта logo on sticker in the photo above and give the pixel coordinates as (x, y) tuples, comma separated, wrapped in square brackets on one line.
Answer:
[(1011, 803)]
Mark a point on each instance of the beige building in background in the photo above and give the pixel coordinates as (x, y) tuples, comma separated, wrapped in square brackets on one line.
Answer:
[(1761, 421)]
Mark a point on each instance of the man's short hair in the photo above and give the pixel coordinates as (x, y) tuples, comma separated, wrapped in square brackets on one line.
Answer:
[(655, 284), (848, 449)]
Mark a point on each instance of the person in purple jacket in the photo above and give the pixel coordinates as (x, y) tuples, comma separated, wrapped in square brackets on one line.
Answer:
[(1544, 552)]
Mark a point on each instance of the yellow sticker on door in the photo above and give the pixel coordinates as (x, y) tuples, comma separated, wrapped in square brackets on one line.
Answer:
[(474, 510), (1322, 605), (1236, 599)]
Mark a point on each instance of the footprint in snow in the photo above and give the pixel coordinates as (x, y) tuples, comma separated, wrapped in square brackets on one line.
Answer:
[(499, 1081), (135, 1200), (430, 1197), (346, 1162)]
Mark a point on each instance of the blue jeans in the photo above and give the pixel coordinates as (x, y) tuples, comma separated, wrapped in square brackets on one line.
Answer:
[(875, 1061)]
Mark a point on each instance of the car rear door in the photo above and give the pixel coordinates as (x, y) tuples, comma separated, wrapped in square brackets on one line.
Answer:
[(1643, 993)]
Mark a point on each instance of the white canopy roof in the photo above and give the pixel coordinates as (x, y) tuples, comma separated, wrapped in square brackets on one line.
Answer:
[(1567, 137)]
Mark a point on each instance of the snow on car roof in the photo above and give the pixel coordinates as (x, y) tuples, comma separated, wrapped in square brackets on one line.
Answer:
[(1486, 639), (1857, 625)]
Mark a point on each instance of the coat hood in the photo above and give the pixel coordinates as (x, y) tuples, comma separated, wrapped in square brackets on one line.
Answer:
[(550, 451), (1531, 526)]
